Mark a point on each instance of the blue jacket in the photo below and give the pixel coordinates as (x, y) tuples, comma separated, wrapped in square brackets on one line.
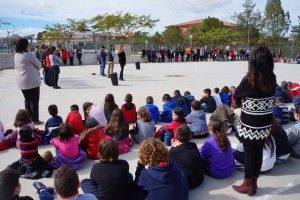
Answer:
[(54, 121), (180, 101), (166, 113), (162, 181), (225, 98), (153, 109), (189, 100), (103, 56)]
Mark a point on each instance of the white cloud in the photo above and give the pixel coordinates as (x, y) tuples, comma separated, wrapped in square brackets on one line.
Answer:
[(21, 31), (168, 11)]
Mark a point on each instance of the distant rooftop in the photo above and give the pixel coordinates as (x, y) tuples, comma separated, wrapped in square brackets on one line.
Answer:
[(200, 21)]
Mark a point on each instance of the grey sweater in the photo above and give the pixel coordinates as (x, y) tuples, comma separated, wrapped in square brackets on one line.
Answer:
[(294, 138), (27, 67)]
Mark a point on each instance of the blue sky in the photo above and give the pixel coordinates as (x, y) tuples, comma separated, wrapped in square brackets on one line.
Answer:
[(30, 17)]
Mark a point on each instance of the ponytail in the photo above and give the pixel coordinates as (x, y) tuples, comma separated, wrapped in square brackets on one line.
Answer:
[(219, 134)]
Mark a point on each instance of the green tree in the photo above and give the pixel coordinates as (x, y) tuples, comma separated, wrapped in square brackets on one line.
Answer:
[(295, 33), (156, 39), (122, 24), (248, 23), (276, 22), (57, 33), (172, 36), (77, 25)]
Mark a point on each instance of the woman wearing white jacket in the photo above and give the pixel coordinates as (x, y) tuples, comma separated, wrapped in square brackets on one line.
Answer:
[(27, 67)]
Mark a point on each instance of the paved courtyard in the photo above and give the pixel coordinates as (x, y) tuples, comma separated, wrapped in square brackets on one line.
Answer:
[(79, 85)]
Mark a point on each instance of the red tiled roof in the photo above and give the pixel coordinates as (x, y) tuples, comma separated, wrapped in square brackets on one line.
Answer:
[(199, 21)]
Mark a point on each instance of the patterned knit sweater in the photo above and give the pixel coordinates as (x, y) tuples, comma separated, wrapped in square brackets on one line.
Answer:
[(256, 115)]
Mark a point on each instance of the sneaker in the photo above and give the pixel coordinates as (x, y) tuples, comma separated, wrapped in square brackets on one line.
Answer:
[(39, 185)]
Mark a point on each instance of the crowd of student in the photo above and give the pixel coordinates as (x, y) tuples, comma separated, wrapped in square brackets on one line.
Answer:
[(188, 54), (76, 139)]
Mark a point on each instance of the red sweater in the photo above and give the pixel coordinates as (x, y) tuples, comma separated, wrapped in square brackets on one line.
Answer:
[(91, 143), (129, 111), (75, 120), (170, 127)]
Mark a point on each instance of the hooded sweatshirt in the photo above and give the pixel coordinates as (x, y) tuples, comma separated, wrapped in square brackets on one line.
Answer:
[(164, 181)]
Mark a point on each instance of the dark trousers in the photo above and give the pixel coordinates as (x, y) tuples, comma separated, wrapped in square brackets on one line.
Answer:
[(88, 187), (79, 59), (32, 98), (55, 75), (253, 157), (71, 60), (122, 71)]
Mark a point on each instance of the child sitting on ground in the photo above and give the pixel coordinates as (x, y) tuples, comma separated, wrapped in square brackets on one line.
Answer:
[(188, 98), (281, 111), (167, 131), (31, 165), (67, 149), (168, 106), (118, 129), (162, 179), (22, 119), (180, 101), (217, 97), (10, 186), (66, 184), (52, 123), (197, 121), (207, 102), (217, 152), (294, 135), (75, 120), (187, 154), (153, 109), (129, 109), (91, 137), (109, 179), (7, 138), (91, 110), (225, 96), (145, 126)]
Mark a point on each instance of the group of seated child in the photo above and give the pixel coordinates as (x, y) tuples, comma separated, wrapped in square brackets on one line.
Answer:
[(77, 139)]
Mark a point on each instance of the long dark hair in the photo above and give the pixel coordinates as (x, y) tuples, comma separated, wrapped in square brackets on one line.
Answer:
[(22, 118), (219, 133), (109, 105), (180, 113), (117, 123), (260, 70)]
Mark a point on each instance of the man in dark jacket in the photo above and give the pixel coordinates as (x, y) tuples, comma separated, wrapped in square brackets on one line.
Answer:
[(102, 59)]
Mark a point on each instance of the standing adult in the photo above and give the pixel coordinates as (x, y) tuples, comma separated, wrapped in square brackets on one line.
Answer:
[(255, 94), (79, 55), (102, 59), (27, 67), (55, 62), (110, 60), (64, 55), (122, 60), (71, 56)]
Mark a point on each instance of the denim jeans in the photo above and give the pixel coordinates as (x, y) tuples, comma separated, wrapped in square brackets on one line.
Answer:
[(45, 195)]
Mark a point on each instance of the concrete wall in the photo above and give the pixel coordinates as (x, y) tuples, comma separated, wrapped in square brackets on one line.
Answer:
[(88, 58)]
